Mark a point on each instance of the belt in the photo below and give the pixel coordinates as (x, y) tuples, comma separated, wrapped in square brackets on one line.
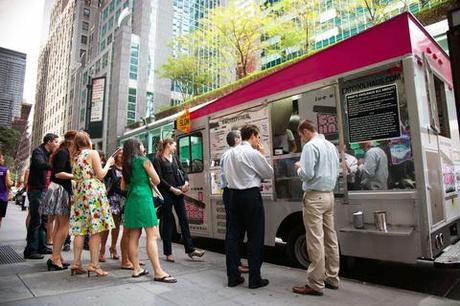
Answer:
[(319, 191)]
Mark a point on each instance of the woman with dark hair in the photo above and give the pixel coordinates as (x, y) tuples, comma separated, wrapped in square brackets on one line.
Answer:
[(116, 199), (172, 188), (138, 174), (56, 203), (91, 210)]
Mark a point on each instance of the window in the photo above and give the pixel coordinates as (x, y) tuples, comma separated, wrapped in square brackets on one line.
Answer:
[(105, 13), (134, 61), (378, 152), (84, 39), (131, 106), (109, 38), (110, 24), (191, 152), (126, 4), (85, 26), (441, 107), (105, 59), (86, 12), (112, 6)]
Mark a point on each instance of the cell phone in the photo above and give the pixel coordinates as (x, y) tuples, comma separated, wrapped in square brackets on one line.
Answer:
[(116, 152)]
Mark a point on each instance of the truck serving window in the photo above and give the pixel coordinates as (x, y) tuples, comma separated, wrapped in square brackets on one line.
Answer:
[(191, 152)]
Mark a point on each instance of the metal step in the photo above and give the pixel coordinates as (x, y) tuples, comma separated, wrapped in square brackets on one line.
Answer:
[(450, 257)]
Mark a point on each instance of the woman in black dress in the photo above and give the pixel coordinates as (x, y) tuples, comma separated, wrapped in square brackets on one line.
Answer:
[(173, 184)]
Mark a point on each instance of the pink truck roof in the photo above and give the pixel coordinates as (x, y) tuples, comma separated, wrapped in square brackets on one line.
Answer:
[(396, 37)]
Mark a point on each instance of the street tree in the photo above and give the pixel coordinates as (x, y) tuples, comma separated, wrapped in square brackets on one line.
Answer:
[(291, 27), (187, 74), (232, 34), (9, 144)]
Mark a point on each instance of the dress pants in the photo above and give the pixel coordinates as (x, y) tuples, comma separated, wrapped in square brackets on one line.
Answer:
[(170, 201), (246, 214), (322, 245)]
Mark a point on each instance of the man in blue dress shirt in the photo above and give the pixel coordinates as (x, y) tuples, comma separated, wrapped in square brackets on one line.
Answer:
[(245, 168), (318, 169)]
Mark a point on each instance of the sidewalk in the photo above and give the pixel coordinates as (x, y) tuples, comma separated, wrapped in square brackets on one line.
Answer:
[(199, 282)]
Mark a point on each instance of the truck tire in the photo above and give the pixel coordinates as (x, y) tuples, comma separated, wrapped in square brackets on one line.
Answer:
[(296, 248)]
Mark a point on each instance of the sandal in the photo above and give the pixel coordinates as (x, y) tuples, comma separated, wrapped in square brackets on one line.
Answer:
[(101, 258), (75, 270), (165, 279), (142, 273), (170, 259), (141, 263), (97, 270), (113, 253), (127, 267)]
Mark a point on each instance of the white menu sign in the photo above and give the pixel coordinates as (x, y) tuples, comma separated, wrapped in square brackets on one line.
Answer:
[(218, 130)]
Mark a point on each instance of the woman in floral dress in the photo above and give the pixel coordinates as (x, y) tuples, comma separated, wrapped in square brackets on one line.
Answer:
[(91, 210)]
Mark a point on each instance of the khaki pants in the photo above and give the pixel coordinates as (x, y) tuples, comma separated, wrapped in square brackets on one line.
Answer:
[(322, 246)]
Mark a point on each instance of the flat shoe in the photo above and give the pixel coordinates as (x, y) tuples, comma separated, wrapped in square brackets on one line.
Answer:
[(127, 268), (142, 273), (165, 279), (306, 290), (170, 260), (329, 286)]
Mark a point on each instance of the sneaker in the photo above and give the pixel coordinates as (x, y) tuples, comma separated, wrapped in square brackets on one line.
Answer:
[(33, 256), (66, 247)]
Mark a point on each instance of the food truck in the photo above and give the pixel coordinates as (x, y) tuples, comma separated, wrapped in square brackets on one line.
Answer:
[(387, 90)]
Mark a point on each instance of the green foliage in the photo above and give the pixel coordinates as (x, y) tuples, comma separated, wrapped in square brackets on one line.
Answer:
[(291, 25), (9, 140), (186, 72)]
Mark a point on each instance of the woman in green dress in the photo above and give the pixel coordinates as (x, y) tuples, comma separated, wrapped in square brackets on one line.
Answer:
[(138, 174)]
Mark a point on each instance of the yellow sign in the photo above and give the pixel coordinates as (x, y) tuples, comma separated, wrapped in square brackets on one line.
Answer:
[(183, 122)]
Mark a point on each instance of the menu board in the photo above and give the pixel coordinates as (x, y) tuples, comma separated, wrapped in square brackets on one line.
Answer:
[(373, 114), (218, 130)]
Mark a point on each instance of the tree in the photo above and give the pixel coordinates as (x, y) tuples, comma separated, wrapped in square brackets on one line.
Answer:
[(187, 69), (185, 72), (292, 26), (232, 34), (9, 144)]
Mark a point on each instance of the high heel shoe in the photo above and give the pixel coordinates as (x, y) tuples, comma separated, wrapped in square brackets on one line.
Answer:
[(76, 270), (97, 270), (54, 267), (113, 253), (196, 253)]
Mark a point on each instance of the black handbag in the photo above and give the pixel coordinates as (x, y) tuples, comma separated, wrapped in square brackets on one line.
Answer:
[(180, 176)]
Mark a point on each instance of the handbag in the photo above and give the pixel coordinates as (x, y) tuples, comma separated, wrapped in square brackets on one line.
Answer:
[(158, 199), (180, 176)]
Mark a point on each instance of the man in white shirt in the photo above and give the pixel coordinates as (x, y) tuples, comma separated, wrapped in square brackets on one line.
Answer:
[(245, 168), (233, 139)]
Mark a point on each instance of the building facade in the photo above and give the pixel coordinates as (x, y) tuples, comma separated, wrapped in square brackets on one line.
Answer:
[(337, 20), (12, 73), (60, 55), (21, 124), (118, 84)]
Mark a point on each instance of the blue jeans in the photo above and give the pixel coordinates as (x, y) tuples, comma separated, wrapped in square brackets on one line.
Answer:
[(36, 231), (178, 202)]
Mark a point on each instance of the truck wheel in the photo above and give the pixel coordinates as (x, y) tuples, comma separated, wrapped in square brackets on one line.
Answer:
[(297, 247)]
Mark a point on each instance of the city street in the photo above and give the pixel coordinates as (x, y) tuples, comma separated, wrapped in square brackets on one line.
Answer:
[(199, 283)]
